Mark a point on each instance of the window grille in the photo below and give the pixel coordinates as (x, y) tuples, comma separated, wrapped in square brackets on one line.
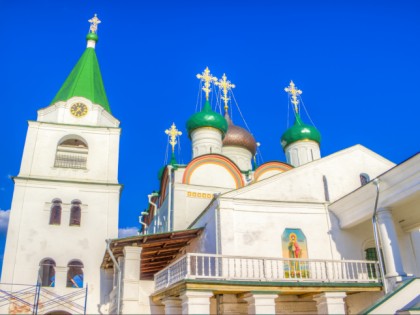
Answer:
[(72, 160), (55, 213), (71, 153), (75, 274), (47, 273), (75, 213)]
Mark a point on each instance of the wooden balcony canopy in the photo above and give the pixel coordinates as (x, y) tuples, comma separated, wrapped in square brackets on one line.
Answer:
[(158, 249)]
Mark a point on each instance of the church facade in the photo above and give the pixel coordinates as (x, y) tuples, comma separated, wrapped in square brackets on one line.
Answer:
[(328, 235)]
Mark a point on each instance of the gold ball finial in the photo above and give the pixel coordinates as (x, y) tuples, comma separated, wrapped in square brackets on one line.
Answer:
[(94, 24), (294, 92), (207, 78), (226, 86)]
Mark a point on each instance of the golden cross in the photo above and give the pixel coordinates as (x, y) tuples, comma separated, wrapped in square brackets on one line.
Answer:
[(226, 86), (293, 92), (94, 24), (173, 133), (207, 78)]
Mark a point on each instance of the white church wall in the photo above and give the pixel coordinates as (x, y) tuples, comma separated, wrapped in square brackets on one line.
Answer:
[(206, 140), (350, 243), (190, 201), (242, 157), (41, 146), (415, 241), (60, 113), (257, 228), (357, 302), (207, 242), (302, 152), (30, 232), (212, 175), (305, 183)]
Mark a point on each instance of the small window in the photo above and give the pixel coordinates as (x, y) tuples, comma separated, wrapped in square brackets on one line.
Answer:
[(75, 274), (47, 272), (364, 179), (75, 213), (71, 153), (55, 213)]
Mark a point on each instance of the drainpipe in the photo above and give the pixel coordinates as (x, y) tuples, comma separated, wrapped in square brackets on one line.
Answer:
[(170, 171), (108, 248), (143, 223), (157, 220), (376, 236)]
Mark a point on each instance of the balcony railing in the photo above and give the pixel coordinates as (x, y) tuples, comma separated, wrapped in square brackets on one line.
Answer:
[(221, 267)]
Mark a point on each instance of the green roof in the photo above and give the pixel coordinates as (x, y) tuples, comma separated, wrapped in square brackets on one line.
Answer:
[(300, 131), (207, 118), (85, 80)]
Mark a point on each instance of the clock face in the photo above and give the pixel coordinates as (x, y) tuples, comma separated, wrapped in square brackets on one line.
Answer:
[(79, 110)]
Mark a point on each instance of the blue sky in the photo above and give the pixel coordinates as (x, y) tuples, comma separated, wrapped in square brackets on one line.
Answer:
[(357, 63)]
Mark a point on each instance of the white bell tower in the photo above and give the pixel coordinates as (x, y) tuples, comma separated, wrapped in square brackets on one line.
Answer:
[(66, 195)]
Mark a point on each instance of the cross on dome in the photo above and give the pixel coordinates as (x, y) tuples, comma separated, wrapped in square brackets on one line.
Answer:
[(226, 86), (294, 92), (207, 78), (173, 133), (94, 24)]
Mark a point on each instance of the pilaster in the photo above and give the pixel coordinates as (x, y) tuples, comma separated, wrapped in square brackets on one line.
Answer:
[(331, 303), (196, 302), (172, 305), (60, 277), (230, 304), (131, 278), (261, 302)]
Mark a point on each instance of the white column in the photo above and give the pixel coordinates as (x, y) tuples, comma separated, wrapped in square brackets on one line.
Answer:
[(261, 302), (131, 278), (389, 242), (196, 302), (331, 303), (172, 305)]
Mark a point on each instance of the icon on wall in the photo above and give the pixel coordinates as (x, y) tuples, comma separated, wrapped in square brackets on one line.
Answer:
[(295, 253)]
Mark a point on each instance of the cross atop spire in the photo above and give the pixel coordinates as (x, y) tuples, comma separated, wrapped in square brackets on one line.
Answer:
[(294, 93), (172, 134), (226, 86), (207, 78), (94, 24)]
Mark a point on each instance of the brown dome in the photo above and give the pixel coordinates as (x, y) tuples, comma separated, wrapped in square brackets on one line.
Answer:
[(239, 137)]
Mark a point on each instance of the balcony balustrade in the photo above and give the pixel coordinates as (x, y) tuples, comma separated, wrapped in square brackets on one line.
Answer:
[(221, 267)]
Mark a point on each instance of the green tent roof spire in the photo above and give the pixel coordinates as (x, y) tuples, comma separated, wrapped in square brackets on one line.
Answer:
[(85, 79)]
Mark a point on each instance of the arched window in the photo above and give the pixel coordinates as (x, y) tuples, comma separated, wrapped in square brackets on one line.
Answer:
[(364, 179), (71, 153), (75, 274), (47, 272), (75, 212), (55, 213)]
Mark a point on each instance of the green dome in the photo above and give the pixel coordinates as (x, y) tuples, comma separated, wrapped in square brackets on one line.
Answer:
[(300, 131), (92, 36), (207, 118)]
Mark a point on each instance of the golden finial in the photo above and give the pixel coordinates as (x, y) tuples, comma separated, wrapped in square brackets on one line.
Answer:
[(173, 133), (294, 92), (225, 85), (94, 24), (207, 78)]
